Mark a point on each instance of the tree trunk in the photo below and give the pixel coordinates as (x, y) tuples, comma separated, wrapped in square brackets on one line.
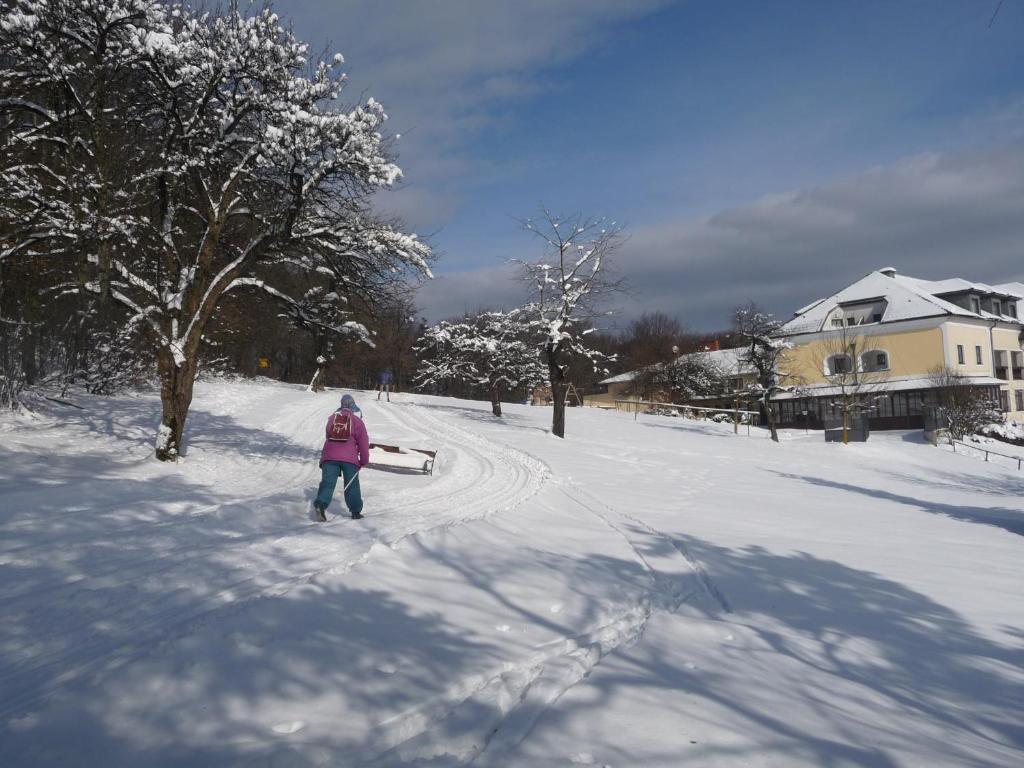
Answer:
[(176, 384), (496, 399), (317, 384), (770, 413), (558, 387)]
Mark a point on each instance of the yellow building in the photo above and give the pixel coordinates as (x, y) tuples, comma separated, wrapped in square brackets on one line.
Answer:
[(883, 337)]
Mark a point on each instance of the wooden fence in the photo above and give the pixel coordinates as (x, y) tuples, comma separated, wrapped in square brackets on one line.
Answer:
[(737, 415)]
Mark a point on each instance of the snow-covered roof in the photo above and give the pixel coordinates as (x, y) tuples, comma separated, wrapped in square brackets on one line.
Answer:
[(900, 384), (621, 378), (728, 360), (905, 298), (1014, 289)]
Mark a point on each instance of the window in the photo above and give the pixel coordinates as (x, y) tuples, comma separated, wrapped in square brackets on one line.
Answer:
[(899, 404), (1011, 309), (960, 353), (999, 358), (977, 355), (975, 304), (851, 321), (875, 360), (883, 406), (997, 308), (876, 318), (837, 322), (1004, 401), (1019, 396), (838, 364)]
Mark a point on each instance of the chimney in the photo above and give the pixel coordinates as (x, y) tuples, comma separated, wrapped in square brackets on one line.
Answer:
[(888, 271)]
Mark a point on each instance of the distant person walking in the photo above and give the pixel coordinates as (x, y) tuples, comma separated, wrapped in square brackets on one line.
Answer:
[(346, 450), (385, 381)]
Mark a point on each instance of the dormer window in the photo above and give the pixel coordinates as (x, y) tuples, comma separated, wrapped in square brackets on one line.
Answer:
[(1011, 308), (975, 305), (997, 307), (860, 312)]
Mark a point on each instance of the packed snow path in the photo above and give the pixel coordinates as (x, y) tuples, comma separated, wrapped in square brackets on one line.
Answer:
[(644, 593)]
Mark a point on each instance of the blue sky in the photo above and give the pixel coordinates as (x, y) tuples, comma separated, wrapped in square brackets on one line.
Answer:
[(754, 150)]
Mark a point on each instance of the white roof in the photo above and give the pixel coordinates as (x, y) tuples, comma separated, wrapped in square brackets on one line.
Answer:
[(620, 378), (906, 298), (881, 387), (730, 361), (727, 359), (1017, 289)]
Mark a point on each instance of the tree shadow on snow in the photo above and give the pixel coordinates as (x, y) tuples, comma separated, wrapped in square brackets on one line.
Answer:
[(484, 416), (1011, 520), (131, 423), (852, 642), (218, 693)]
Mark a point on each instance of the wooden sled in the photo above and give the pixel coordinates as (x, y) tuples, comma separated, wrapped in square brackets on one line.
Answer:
[(399, 459)]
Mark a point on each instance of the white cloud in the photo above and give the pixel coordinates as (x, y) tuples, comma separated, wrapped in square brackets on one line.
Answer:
[(932, 216), (445, 70)]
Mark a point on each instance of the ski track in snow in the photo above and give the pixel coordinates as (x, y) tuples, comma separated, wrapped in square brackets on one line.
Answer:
[(263, 544), (504, 477), (470, 468), (520, 692)]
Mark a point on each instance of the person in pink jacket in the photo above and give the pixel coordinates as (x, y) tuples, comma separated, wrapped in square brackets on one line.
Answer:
[(346, 450)]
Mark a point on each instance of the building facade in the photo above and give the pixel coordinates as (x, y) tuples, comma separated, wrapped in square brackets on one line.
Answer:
[(883, 340)]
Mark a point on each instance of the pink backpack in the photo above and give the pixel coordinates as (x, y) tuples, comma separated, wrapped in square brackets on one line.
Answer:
[(341, 427)]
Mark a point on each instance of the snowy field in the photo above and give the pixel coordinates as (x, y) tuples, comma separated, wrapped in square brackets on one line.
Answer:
[(645, 593)]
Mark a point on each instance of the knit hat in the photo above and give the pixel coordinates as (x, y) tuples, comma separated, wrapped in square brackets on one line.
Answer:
[(347, 401)]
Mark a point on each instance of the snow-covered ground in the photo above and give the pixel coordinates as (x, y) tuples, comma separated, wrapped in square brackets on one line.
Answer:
[(648, 592)]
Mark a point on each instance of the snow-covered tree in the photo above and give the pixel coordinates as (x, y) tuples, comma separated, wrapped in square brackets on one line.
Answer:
[(688, 377), (493, 350), (765, 351), (965, 406), (568, 283), (166, 159)]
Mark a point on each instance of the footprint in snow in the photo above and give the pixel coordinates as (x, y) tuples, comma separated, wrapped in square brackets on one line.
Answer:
[(690, 665), (387, 669), (291, 726), (557, 608), (503, 627)]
